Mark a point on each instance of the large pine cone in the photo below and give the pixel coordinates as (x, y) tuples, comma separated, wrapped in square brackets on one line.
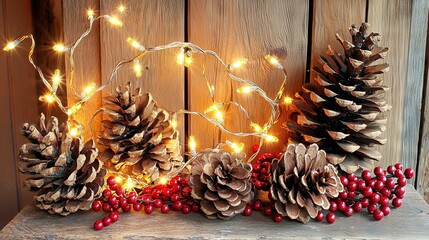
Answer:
[(139, 138), (302, 182), (342, 108), (220, 181), (68, 175)]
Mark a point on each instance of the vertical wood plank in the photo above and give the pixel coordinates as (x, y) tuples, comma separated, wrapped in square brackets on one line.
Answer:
[(422, 181), (250, 29), (86, 57), (415, 80), (22, 79), (331, 17), (392, 20), (151, 23), (9, 201)]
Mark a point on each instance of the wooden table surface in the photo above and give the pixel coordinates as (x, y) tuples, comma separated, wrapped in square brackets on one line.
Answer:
[(411, 221)]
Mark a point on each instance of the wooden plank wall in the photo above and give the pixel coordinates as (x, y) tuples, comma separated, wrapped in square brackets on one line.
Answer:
[(296, 31)]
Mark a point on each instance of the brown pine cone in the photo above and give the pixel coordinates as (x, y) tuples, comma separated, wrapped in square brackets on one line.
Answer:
[(302, 182), (342, 109), (139, 138), (220, 181), (67, 174)]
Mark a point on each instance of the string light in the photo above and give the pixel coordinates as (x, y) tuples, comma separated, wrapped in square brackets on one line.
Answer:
[(56, 80), (162, 180), (237, 147), (49, 98), (90, 13), (246, 89), (212, 108), (129, 184), (60, 48), (88, 91), (192, 144), (256, 127), (114, 21), (74, 109), (274, 61), (219, 116), (75, 131), (184, 57), (269, 138), (137, 68), (11, 45), (237, 64), (135, 44), (287, 100), (121, 8)]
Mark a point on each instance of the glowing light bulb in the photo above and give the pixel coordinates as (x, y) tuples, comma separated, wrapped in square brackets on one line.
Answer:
[(90, 13), (137, 68), (129, 184), (122, 8), (74, 109), (274, 61), (60, 48), (49, 98), (219, 116), (88, 90), (184, 57), (269, 138), (238, 63), (75, 131), (256, 127), (246, 89), (114, 21), (135, 44), (287, 100), (192, 144), (173, 123), (118, 179), (163, 180), (56, 80), (237, 147), (212, 108), (11, 45)]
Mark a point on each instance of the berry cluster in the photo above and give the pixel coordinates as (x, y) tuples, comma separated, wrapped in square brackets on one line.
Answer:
[(266, 208), (261, 169), (176, 194), (373, 192)]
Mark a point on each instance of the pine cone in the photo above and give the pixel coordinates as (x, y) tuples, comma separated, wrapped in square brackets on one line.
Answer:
[(302, 182), (342, 110), (221, 183), (139, 138), (68, 175)]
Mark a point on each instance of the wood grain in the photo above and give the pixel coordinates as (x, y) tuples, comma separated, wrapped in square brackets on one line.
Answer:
[(422, 178), (22, 80), (392, 20), (250, 29), (411, 221), (9, 202), (331, 17), (414, 87), (87, 57), (151, 23)]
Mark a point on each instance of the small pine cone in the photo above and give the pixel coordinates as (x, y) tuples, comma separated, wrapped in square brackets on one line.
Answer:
[(302, 182), (342, 109), (67, 174), (220, 181), (139, 138)]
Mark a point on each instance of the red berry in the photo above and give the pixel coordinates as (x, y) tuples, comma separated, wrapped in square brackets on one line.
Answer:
[(186, 209), (175, 197), (157, 203), (137, 206), (352, 177), (177, 205), (385, 210), (372, 207), (399, 173), (96, 206), (351, 194), (279, 155), (247, 211), (111, 180), (113, 186), (175, 189), (106, 207), (320, 216), (378, 215), (385, 192), (382, 178), (256, 167), (390, 183), (278, 218), (195, 207), (366, 175), (148, 209), (365, 202), (348, 211), (127, 208), (399, 191), (113, 200), (352, 186), (186, 191), (357, 207), (166, 192), (115, 207), (114, 217), (378, 171), (156, 193), (119, 191), (398, 166), (367, 191), (375, 198), (165, 208), (257, 205), (333, 206), (344, 180), (391, 169), (402, 181), (98, 225), (409, 173), (132, 198), (123, 202), (330, 218), (397, 202), (259, 185), (147, 190), (107, 221), (107, 193), (343, 195), (268, 211), (255, 148), (384, 201), (361, 184), (379, 185), (370, 183), (146, 199), (341, 205)]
